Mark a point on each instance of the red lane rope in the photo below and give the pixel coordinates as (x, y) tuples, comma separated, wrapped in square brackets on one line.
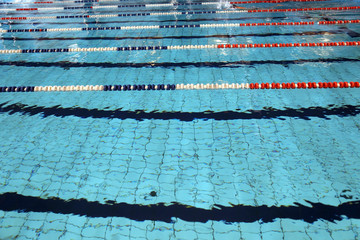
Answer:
[(275, 45), (26, 9), (338, 22), (298, 23), (13, 18), (276, 1), (303, 9), (304, 85)]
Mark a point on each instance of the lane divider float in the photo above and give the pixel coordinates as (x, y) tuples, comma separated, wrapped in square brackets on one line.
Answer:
[(96, 1), (149, 5), (211, 86), (62, 2), (179, 26), (304, 9), (109, 6), (185, 13), (54, 2), (181, 47), (276, 1), (123, 15)]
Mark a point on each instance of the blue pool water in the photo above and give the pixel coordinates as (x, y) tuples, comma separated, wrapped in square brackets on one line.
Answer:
[(182, 164)]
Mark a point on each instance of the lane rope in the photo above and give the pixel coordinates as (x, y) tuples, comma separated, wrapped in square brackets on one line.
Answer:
[(304, 9), (55, 2), (180, 26), (276, 1), (123, 15), (185, 13), (108, 6), (99, 1), (71, 2), (150, 5), (199, 86), (181, 47)]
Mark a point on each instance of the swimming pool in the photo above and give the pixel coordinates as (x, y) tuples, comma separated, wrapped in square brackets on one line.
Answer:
[(138, 148)]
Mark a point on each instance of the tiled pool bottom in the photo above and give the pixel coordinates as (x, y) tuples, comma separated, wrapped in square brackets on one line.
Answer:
[(273, 148), (194, 164), (55, 226), (114, 161)]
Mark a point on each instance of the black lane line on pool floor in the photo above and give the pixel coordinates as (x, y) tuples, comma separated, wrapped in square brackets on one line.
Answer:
[(342, 30), (171, 65), (168, 213), (141, 115)]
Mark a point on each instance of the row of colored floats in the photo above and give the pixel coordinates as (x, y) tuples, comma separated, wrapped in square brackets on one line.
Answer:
[(212, 86), (157, 5), (275, 45), (180, 47), (183, 13), (276, 24), (304, 9), (107, 6), (62, 2), (304, 85), (88, 88), (140, 14), (276, 1), (93, 1), (178, 26), (338, 22)]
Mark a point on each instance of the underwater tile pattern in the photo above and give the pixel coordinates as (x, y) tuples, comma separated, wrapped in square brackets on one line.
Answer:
[(201, 150), (55, 226)]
